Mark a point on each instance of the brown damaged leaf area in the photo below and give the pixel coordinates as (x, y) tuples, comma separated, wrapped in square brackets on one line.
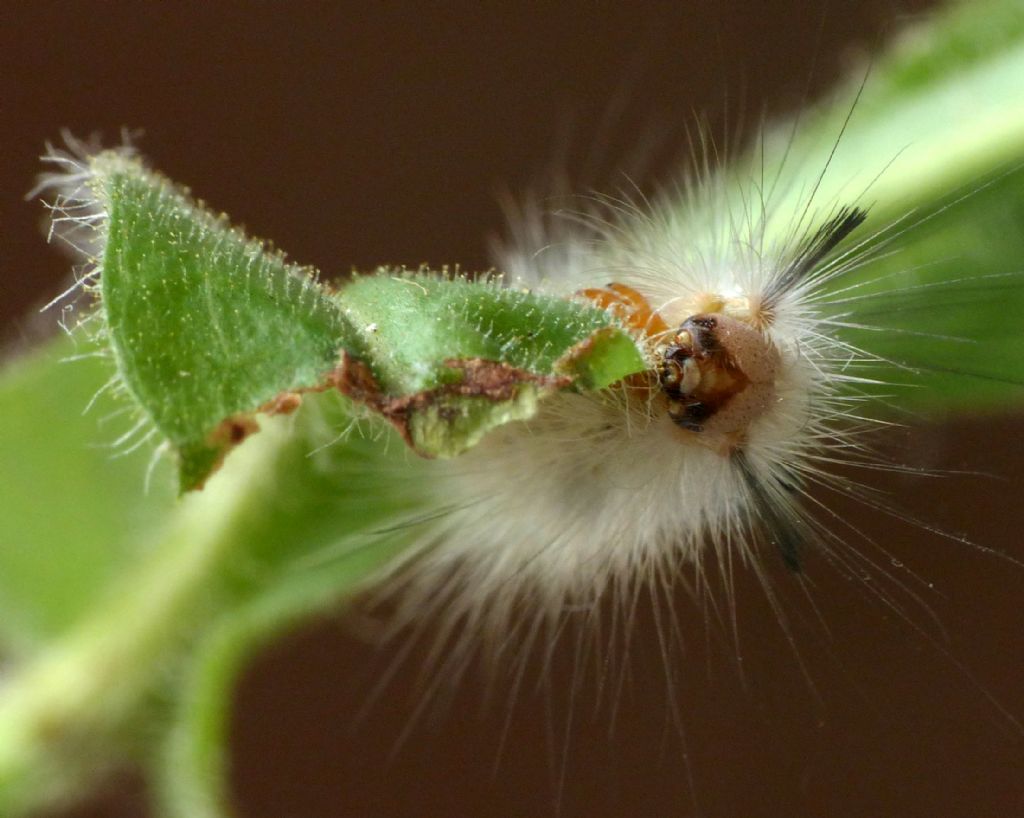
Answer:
[(233, 430), (472, 378), (283, 404), (229, 433), (476, 378)]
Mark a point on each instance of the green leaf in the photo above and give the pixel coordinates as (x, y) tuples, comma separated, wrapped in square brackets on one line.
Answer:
[(204, 322), (73, 513), (451, 359), (945, 307), (207, 328), (420, 323)]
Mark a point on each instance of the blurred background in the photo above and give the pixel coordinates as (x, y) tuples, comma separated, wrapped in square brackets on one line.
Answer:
[(355, 134)]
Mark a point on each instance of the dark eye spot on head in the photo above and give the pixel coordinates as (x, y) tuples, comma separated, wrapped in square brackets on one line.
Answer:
[(702, 331)]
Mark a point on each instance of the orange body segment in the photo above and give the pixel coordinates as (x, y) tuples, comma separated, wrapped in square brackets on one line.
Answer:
[(629, 306)]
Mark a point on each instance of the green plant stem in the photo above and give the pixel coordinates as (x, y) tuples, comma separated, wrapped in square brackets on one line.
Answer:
[(86, 691)]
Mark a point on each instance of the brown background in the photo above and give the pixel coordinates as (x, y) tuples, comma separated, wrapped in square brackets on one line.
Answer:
[(354, 134)]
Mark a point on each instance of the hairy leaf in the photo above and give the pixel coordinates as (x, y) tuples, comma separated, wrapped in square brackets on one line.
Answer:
[(208, 328)]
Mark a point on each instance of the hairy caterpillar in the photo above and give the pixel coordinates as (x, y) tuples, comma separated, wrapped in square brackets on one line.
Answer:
[(577, 517), (748, 398)]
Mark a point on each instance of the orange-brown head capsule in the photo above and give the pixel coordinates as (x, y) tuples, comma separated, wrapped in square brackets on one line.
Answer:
[(718, 374)]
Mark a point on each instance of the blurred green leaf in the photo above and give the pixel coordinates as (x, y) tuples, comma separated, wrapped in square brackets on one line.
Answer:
[(74, 513), (942, 310)]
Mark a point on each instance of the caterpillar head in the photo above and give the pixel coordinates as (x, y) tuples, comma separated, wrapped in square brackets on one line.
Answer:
[(718, 375)]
